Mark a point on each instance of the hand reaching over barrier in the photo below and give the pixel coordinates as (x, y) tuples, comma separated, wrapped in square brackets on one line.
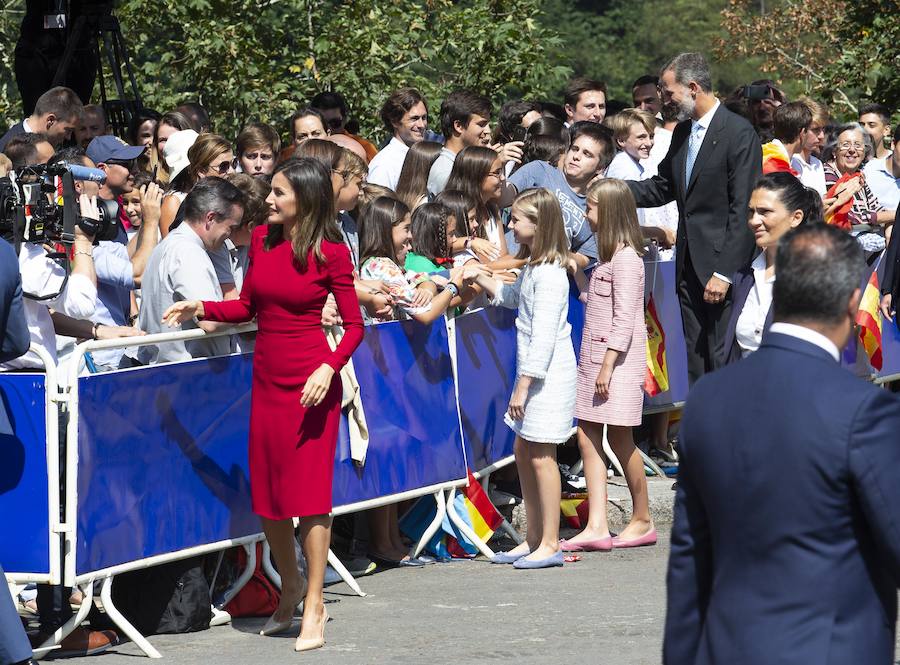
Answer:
[(182, 311)]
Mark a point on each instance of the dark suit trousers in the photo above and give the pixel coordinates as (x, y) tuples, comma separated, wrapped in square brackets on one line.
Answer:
[(704, 324), (14, 645)]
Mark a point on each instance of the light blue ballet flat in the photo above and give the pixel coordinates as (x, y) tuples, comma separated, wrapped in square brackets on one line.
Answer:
[(506, 557), (550, 562)]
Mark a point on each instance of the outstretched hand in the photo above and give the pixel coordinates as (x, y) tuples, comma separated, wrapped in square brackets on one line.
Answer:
[(182, 311)]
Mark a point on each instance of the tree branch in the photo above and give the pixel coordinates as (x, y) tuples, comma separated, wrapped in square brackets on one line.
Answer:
[(796, 62)]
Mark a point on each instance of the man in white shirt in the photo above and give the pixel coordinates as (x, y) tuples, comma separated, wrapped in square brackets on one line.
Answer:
[(883, 176), (806, 161), (405, 114), (585, 100), (180, 269)]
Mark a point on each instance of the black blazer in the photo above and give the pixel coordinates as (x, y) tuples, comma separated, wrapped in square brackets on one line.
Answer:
[(742, 284), (14, 335), (890, 276), (712, 210), (16, 130), (786, 534)]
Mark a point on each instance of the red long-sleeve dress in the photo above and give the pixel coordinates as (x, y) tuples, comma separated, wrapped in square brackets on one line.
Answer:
[(291, 447)]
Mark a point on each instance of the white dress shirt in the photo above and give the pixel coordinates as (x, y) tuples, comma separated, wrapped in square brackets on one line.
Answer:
[(752, 319), (812, 173), (385, 167), (807, 335)]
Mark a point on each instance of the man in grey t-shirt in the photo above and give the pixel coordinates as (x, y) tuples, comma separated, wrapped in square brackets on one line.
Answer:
[(180, 269), (589, 153)]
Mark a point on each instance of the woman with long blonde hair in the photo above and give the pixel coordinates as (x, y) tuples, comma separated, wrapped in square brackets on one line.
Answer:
[(612, 365), (543, 399)]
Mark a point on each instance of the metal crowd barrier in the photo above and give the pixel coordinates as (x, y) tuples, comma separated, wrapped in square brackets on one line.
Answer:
[(155, 464)]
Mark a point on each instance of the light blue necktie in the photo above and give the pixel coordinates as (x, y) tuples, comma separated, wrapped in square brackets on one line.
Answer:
[(694, 144)]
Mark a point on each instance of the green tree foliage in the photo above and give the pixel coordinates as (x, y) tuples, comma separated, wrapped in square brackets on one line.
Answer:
[(258, 59), (619, 40), (843, 51)]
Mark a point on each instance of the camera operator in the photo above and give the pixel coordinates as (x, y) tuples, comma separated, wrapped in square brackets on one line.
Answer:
[(47, 286), (117, 275), (28, 150)]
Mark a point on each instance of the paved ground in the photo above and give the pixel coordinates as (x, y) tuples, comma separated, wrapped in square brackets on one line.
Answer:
[(606, 608)]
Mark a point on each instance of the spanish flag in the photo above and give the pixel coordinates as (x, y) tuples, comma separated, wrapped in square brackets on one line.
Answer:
[(776, 159), (657, 379), (574, 511), (868, 318), (840, 217)]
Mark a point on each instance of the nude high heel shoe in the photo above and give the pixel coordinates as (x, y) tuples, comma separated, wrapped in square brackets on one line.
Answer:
[(273, 627), (310, 643)]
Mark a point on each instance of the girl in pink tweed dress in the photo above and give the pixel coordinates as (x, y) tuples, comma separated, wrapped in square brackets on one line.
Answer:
[(612, 365)]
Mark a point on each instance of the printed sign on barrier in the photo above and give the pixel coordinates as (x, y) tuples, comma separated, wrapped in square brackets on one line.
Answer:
[(162, 460), (486, 367), (24, 499), (408, 394)]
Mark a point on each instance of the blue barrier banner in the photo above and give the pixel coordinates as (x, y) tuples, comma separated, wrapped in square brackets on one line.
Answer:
[(408, 394), (486, 369), (24, 505), (162, 460)]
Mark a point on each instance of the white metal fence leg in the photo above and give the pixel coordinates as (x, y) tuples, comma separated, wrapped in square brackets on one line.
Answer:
[(61, 633), (465, 529), (267, 566), (123, 623), (341, 570), (508, 529), (653, 465), (242, 580), (611, 456), (416, 549)]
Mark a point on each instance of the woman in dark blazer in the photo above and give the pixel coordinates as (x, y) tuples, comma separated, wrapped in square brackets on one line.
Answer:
[(779, 203)]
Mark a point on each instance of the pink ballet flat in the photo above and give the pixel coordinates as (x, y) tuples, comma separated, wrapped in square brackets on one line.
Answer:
[(600, 545), (648, 538)]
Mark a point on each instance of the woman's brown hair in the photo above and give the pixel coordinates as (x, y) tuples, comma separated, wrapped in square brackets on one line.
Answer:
[(200, 155), (541, 207), (470, 168), (255, 191), (311, 184), (617, 220), (413, 182)]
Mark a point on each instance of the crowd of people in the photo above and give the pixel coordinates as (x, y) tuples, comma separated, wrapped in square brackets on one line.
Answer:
[(327, 230)]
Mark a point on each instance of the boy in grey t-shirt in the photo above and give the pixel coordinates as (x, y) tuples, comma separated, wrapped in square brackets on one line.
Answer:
[(589, 153)]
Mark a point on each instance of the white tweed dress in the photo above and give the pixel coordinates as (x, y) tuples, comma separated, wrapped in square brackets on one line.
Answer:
[(543, 351)]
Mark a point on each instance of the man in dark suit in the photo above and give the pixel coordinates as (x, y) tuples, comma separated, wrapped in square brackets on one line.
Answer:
[(14, 341), (786, 537), (712, 164), (56, 115)]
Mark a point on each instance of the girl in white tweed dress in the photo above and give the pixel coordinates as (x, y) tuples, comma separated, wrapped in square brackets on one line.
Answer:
[(542, 404)]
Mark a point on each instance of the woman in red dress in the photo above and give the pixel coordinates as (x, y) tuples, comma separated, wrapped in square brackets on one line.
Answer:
[(296, 260)]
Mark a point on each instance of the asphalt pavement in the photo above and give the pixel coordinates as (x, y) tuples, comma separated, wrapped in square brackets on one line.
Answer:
[(606, 608)]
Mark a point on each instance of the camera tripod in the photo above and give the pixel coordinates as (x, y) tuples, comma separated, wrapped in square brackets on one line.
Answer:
[(97, 24)]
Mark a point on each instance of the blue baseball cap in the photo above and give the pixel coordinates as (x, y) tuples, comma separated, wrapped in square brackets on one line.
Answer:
[(110, 148)]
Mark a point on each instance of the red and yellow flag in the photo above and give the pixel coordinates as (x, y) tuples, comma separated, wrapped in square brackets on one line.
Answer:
[(776, 159), (657, 379), (840, 217), (868, 318)]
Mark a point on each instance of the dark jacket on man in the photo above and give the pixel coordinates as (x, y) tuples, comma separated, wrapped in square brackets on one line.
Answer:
[(786, 537)]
